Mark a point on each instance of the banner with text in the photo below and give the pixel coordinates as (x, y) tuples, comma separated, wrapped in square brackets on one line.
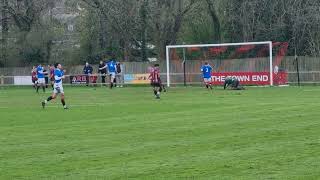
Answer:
[(251, 78), (136, 79), (82, 79)]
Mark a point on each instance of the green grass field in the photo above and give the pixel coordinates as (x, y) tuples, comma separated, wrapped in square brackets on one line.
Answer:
[(191, 133)]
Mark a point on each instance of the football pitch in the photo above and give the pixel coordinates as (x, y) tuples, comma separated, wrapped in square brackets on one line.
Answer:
[(191, 133)]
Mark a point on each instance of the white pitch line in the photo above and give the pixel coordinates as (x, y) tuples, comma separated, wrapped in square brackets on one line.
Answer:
[(73, 105), (314, 90), (76, 105)]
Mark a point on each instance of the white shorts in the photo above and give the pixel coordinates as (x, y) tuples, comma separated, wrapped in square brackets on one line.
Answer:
[(58, 89), (207, 80), (41, 81), (112, 74)]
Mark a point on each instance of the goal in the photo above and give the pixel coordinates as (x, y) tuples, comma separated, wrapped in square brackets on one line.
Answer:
[(250, 62)]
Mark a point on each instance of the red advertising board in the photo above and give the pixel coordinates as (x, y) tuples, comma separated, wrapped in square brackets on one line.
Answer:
[(251, 78)]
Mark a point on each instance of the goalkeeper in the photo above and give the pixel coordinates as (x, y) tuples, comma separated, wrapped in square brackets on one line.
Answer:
[(232, 83)]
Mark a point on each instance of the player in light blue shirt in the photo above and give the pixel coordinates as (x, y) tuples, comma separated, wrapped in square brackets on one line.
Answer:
[(111, 66), (41, 80), (58, 88), (206, 70)]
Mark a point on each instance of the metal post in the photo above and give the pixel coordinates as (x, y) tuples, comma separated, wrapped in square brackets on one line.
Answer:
[(2, 80), (298, 70), (168, 65), (271, 63), (184, 68)]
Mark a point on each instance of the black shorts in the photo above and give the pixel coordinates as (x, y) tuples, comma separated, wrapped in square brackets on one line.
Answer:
[(153, 84)]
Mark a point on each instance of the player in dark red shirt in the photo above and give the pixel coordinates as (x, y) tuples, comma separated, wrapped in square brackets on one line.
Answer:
[(155, 80), (34, 76)]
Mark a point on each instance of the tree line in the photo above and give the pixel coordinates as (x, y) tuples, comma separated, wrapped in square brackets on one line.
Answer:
[(34, 31)]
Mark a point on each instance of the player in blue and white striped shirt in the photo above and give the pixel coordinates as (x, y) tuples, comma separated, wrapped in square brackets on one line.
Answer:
[(206, 70), (111, 66), (58, 88), (41, 81)]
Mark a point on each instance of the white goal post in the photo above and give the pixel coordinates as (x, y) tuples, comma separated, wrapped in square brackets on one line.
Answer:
[(170, 47)]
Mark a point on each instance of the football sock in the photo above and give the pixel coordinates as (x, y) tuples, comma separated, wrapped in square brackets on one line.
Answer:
[(49, 99), (63, 102), (44, 88), (38, 88), (155, 92)]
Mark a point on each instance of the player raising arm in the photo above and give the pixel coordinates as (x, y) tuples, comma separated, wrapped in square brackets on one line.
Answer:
[(206, 70), (58, 88), (111, 65)]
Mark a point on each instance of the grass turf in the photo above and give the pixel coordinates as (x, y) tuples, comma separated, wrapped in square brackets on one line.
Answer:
[(191, 133)]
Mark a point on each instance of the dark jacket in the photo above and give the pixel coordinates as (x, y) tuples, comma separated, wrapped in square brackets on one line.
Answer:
[(118, 68), (103, 71), (87, 70)]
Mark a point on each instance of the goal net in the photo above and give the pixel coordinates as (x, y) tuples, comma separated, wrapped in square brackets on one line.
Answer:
[(252, 63)]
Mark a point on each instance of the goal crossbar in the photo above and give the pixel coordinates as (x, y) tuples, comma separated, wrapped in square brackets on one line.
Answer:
[(219, 45)]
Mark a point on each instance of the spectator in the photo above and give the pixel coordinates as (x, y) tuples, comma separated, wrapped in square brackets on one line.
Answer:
[(51, 68), (46, 76), (102, 72), (119, 75), (87, 70)]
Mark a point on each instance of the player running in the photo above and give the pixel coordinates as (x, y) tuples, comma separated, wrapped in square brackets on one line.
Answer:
[(155, 80), (41, 80), (58, 88), (111, 65), (206, 70)]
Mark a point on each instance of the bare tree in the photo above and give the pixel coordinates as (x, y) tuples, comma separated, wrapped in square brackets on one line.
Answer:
[(215, 21), (5, 28), (167, 19)]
